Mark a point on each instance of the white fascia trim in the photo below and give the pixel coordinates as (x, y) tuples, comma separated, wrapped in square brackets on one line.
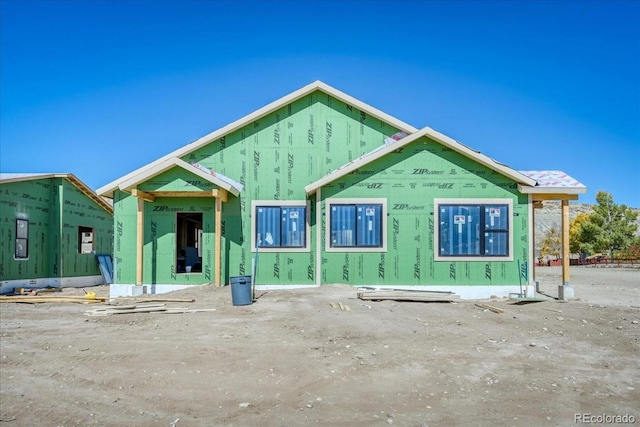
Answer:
[(362, 161), (107, 190), (479, 157), (525, 189), (169, 164)]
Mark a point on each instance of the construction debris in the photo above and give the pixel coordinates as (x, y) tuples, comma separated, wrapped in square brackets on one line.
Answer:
[(36, 299), (340, 305), (408, 295), (142, 308), (153, 299), (490, 307)]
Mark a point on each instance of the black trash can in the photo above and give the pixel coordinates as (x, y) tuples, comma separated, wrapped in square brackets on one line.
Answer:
[(241, 290)]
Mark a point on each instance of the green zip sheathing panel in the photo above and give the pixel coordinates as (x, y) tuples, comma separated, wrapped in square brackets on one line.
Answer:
[(410, 179), (55, 209), (177, 179), (79, 210), (274, 158)]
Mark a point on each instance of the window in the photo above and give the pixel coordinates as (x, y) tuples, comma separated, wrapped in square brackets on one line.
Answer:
[(469, 229), (280, 226), (189, 242), (85, 240), (22, 239), (356, 225)]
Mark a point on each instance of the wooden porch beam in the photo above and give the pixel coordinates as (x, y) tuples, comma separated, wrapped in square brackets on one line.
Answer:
[(142, 195), (210, 193), (550, 196)]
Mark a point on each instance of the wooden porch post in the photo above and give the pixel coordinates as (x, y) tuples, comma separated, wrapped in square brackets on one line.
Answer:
[(139, 240), (141, 196), (565, 242), (221, 197), (565, 291)]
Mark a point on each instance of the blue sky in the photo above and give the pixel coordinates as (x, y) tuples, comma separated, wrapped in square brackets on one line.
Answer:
[(100, 88)]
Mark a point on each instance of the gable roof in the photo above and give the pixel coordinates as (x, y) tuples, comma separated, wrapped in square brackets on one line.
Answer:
[(196, 169), (19, 177), (432, 134), (107, 190)]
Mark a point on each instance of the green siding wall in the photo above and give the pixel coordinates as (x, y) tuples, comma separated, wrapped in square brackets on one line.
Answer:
[(80, 211), (55, 208), (410, 179), (274, 158)]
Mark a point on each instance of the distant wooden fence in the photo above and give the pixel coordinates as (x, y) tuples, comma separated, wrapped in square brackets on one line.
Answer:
[(605, 261)]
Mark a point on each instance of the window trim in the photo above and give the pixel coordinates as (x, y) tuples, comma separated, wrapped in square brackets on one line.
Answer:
[(282, 203), (355, 201), (482, 258), (26, 239)]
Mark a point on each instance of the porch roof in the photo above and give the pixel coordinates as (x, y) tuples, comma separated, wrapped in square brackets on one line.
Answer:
[(207, 174)]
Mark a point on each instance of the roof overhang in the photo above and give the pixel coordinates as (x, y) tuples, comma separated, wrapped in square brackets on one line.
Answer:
[(433, 135), (552, 185), (108, 189), (196, 169)]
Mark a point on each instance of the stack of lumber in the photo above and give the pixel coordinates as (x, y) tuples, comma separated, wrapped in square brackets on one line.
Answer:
[(109, 310), (408, 295)]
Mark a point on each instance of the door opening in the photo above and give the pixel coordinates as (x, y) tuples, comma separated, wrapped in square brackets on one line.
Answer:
[(189, 242)]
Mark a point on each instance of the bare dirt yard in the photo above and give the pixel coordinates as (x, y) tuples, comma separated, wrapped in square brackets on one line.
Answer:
[(297, 358)]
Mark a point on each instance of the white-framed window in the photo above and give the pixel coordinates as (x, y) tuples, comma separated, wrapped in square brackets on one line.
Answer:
[(280, 225), (473, 229), (356, 225), (22, 239)]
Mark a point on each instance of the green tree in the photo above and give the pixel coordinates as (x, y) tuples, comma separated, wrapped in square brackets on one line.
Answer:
[(551, 244), (614, 224), (582, 235)]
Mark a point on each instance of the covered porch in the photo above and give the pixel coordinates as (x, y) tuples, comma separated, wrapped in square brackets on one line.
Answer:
[(175, 180), (554, 185)]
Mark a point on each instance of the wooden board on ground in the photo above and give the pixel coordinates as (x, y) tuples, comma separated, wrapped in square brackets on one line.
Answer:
[(152, 299), (142, 308), (398, 295), (490, 307), (42, 299), (108, 310)]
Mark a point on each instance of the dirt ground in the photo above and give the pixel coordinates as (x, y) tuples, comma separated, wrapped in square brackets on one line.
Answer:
[(291, 358)]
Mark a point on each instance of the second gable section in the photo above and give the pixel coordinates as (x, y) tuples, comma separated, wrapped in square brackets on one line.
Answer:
[(277, 155)]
